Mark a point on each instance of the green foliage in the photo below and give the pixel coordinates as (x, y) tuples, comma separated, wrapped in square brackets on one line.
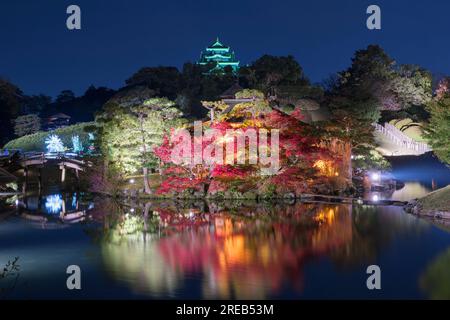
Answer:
[(249, 93), (10, 100), (353, 99), (352, 119), (437, 200), (412, 86), (437, 131), (369, 159), (27, 124), (65, 96), (268, 72), (436, 279), (164, 80), (36, 141), (128, 135)]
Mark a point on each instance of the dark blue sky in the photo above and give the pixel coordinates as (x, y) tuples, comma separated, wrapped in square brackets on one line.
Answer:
[(39, 54)]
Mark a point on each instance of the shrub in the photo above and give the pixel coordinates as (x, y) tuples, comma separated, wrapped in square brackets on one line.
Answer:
[(36, 141)]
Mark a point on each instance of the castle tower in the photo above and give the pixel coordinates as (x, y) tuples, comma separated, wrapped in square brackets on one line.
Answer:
[(219, 56)]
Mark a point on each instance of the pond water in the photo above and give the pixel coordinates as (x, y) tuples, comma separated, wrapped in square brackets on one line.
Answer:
[(242, 250)]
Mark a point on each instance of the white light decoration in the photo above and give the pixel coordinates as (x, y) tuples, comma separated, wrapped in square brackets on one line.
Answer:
[(77, 145), (375, 197), (131, 181), (54, 144), (53, 203), (375, 176)]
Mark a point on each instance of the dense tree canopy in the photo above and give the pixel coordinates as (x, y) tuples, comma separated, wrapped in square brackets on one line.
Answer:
[(351, 98), (11, 98), (297, 153), (164, 80), (128, 135), (269, 72), (27, 124), (438, 129)]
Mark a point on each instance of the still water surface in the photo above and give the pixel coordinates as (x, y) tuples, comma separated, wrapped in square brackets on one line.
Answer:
[(242, 250)]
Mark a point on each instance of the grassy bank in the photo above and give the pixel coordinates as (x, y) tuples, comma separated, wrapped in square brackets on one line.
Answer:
[(36, 141), (438, 200)]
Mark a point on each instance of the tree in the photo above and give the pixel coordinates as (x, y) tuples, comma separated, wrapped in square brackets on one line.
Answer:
[(36, 104), (443, 88), (355, 99), (77, 145), (54, 144), (411, 86), (268, 72), (214, 106), (11, 98), (65, 96), (27, 124), (437, 131), (164, 80), (298, 150), (153, 116), (128, 135)]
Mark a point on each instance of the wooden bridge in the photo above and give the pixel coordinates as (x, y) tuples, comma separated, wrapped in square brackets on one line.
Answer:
[(40, 159), (14, 160), (30, 159)]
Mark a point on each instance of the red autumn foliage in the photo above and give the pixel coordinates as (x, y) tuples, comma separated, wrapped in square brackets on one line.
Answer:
[(229, 171), (299, 149)]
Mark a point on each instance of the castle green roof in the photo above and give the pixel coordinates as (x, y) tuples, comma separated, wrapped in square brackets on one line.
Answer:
[(218, 56)]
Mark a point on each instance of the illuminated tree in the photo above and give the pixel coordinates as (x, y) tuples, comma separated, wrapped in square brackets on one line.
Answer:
[(54, 144), (298, 151), (443, 88), (128, 135), (214, 106), (77, 145), (437, 131)]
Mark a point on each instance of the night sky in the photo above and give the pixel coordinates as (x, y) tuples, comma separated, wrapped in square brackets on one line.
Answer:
[(40, 55)]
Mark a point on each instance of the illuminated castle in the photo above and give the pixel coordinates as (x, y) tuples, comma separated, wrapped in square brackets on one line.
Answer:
[(219, 57)]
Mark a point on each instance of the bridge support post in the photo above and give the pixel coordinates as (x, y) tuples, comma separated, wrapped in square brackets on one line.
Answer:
[(63, 173), (25, 174), (40, 179)]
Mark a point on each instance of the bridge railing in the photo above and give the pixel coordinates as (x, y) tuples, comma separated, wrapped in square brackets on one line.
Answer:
[(400, 139), (32, 154)]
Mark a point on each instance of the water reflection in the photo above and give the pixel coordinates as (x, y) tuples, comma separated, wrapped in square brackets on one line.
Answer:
[(54, 203), (53, 209), (411, 190), (436, 278), (255, 254)]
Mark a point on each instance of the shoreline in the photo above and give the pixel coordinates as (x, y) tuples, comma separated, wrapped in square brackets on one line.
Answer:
[(435, 205)]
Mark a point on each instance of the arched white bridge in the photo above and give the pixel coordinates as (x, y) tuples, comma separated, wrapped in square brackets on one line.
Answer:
[(398, 138)]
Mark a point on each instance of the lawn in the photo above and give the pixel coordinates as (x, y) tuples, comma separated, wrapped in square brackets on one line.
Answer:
[(437, 200)]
